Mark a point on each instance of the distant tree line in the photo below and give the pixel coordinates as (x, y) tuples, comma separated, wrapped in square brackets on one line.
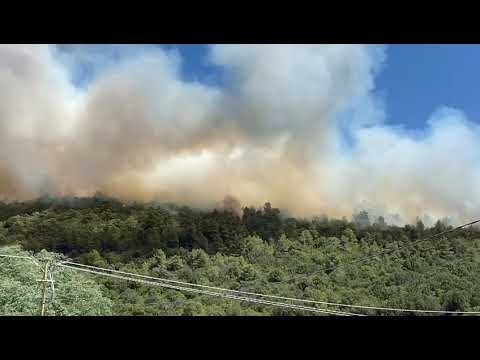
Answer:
[(256, 249)]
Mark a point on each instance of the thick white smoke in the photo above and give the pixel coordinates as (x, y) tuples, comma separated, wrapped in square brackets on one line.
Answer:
[(275, 132)]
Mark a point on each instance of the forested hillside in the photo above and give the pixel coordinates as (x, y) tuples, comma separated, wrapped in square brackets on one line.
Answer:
[(256, 250)]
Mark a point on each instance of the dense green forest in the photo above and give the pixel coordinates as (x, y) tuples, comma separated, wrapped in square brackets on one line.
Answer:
[(257, 250)]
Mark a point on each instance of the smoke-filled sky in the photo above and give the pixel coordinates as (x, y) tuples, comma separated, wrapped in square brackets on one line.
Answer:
[(305, 127)]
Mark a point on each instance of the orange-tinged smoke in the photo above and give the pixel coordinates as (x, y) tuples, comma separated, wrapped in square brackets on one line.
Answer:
[(274, 132)]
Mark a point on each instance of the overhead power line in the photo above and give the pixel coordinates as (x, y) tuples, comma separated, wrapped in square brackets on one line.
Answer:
[(21, 257), (274, 296), (47, 278), (335, 268), (135, 278), (211, 293)]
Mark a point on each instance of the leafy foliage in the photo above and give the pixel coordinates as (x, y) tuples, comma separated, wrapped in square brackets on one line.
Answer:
[(260, 251), (21, 293)]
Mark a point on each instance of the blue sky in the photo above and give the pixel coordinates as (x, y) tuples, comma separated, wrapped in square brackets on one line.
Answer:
[(419, 78), (195, 65), (416, 79)]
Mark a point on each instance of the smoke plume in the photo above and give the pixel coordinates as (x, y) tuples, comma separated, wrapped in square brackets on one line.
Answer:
[(300, 126)]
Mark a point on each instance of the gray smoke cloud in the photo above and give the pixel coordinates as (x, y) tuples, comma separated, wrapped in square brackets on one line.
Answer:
[(276, 131)]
